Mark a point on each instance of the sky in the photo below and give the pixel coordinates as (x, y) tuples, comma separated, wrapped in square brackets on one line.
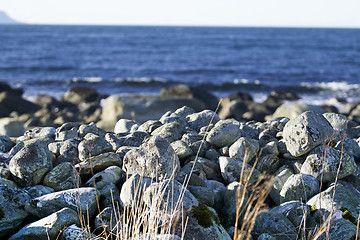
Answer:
[(277, 13)]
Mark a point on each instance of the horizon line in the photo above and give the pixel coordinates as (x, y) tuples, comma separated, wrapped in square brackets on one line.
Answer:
[(179, 25)]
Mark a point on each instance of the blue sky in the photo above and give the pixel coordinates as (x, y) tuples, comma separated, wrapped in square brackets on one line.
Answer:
[(288, 13)]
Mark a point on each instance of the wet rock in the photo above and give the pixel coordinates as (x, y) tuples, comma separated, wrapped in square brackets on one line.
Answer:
[(126, 126), (64, 176), (31, 163), (48, 227), (224, 133), (155, 159), (202, 119), (244, 149), (93, 145), (305, 132), (80, 199), (299, 187), (323, 164)]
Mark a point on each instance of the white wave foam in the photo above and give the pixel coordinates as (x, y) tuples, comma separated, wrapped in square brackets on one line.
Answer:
[(88, 79), (332, 86)]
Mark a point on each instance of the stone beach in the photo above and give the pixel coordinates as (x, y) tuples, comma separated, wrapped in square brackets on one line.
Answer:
[(70, 167)]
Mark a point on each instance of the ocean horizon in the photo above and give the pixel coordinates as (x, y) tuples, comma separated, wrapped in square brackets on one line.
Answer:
[(315, 63)]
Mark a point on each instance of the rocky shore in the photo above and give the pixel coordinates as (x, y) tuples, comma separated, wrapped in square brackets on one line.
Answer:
[(170, 167)]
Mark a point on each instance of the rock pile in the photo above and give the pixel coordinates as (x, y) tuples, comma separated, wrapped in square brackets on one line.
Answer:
[(76, 180)]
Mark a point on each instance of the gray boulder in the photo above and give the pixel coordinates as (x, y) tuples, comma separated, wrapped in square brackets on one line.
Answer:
[(98, 163), (337, 121), (347, 198), (276, 224), (90, 128), (244, 149), (219, 190), (12, 201), (49, 227), (40, 132), (281, 175), (142, 108), (231, 198), (231, 170), (125, 126), (93, 145), (68, 152), (155, 159), (299, 187), (5, 143), (305, 132), (74, 232), (31, 163), (111, 174), (132, 190), (11, 127), (349, 146), (83, 200), (182, 149), (63, 176), (224, 133), (134, 139), (293, 109), (323, 164), (108, 220), (203, 194), (297, 212), (170, 131), (202, 119), (169, 197)]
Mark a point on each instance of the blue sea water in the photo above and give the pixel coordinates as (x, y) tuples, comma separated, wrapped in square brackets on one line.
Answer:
[(315, 63)]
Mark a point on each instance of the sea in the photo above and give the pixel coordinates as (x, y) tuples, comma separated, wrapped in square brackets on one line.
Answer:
[(316, 63)]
